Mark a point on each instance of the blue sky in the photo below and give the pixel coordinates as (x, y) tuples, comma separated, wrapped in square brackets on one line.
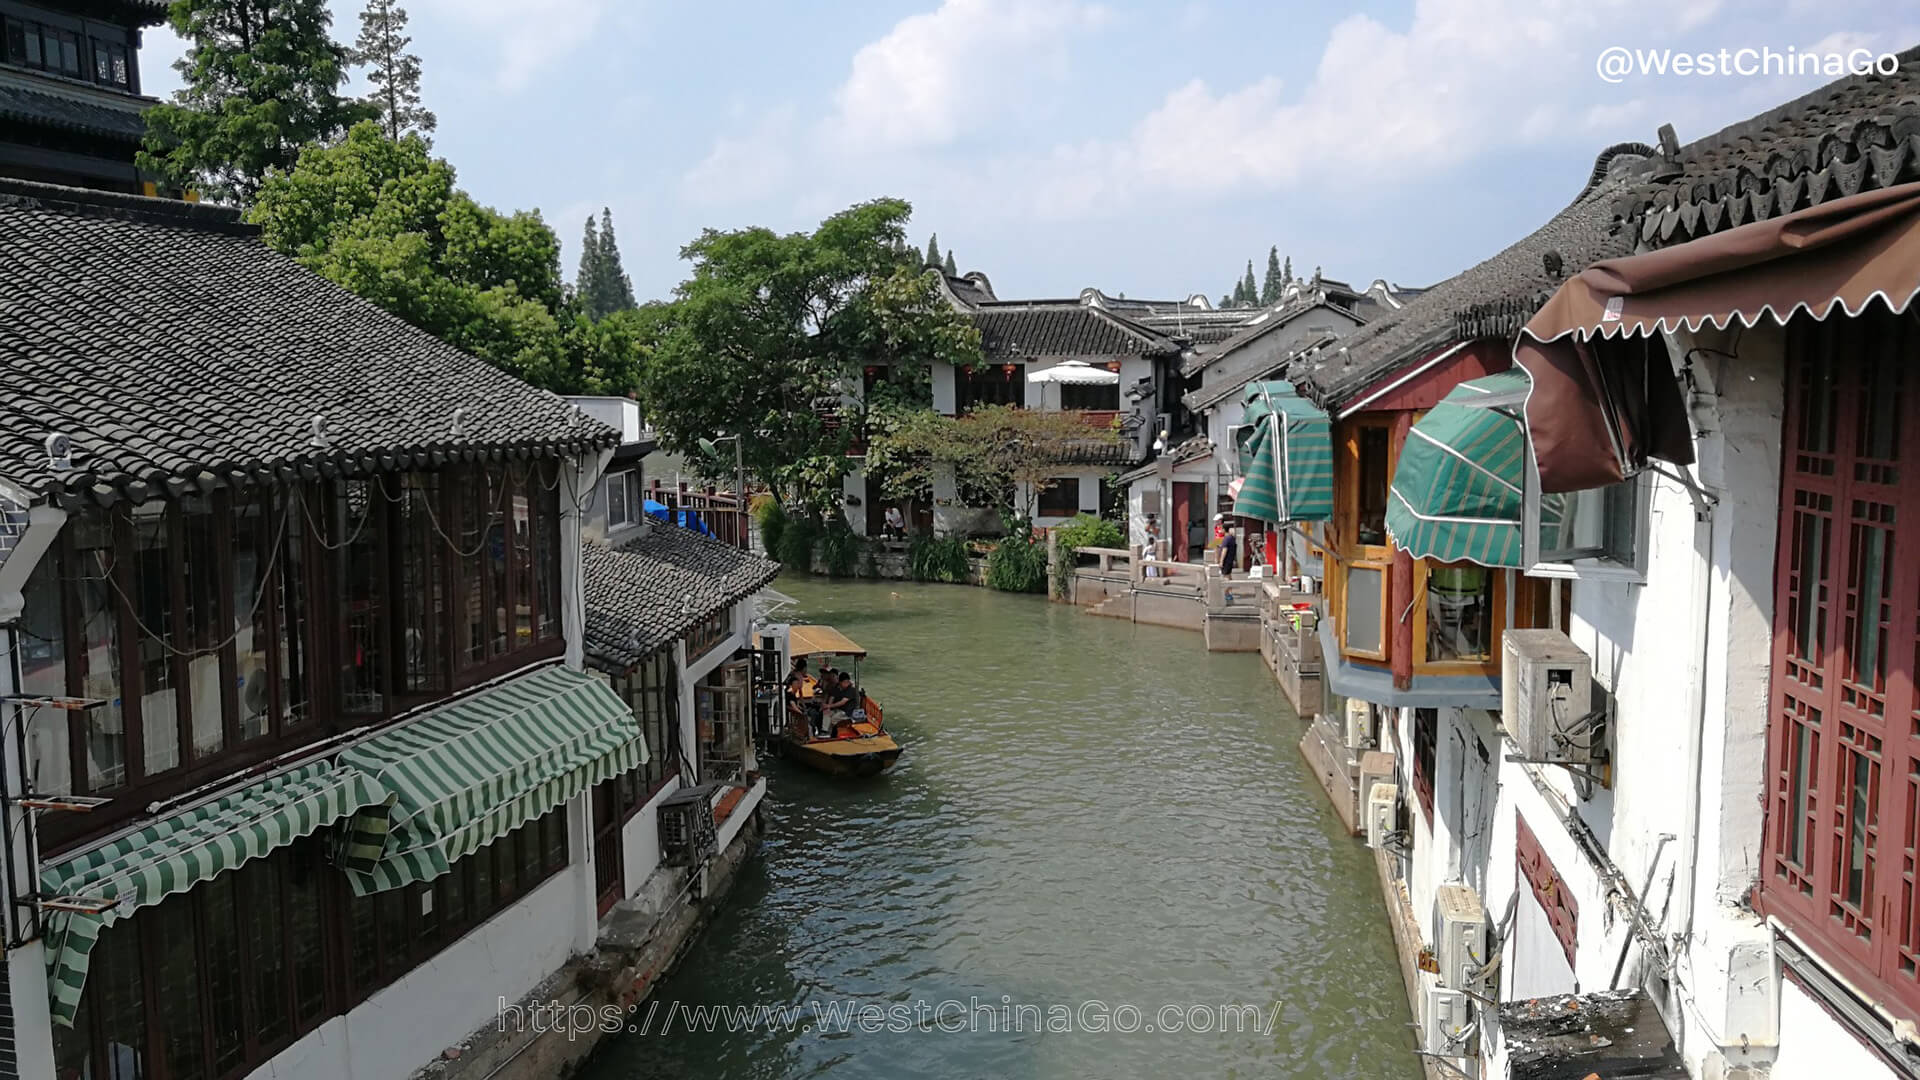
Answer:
[(1143, 148)]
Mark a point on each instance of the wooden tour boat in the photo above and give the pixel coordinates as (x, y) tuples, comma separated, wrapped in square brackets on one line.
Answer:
[(856, 744)]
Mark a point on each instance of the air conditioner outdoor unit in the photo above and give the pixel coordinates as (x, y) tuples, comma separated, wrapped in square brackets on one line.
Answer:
[(1359, 724), (1546, 693), (1444, 1022), (687, 834), (1376, 767), (1381, 812), (1459, 936)]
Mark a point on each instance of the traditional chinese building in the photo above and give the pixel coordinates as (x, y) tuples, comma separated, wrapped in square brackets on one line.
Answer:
[(70, 97)]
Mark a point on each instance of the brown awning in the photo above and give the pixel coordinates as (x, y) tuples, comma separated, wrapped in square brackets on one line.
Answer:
[(1603, 404), (815, 640)]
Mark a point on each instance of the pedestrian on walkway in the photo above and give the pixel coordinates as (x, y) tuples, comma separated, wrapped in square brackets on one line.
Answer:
[(1229, 554)]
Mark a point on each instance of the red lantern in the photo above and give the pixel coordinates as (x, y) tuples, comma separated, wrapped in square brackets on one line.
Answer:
[(1113, 366)]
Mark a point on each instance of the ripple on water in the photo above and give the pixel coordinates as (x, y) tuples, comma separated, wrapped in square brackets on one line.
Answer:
[(1087, 810)]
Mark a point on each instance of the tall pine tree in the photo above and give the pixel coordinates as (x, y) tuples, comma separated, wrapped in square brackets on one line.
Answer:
[(612, 290), (1272, 287), (1248, 288), (585, 278), (1286, 271), (933, 250), (952, 268), (262, 81), (393, 71)]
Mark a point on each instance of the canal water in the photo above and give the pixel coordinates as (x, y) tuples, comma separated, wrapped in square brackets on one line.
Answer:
[(1091, 818)]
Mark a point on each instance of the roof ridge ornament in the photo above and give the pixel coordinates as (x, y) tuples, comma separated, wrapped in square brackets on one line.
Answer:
[(59, 452), (317, 431), (1668, 165), (461, 415)]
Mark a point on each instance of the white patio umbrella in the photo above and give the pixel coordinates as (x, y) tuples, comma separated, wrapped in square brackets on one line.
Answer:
[(1077, 372)]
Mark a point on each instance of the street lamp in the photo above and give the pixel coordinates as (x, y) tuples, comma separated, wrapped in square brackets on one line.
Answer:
[(711, 448)]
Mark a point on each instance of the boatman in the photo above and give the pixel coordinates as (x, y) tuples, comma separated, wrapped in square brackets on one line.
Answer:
[(797, 691)]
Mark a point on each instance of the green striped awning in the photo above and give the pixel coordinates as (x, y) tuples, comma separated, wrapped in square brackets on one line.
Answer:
[(1286, 457), (1460, 485), (182, 850), (472, 771)]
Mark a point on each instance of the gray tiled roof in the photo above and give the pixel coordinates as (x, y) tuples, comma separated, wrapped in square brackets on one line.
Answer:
[(1011, 330), (175, 349), (84, 111), (1855, 134), (1492, 299), (652, 589)]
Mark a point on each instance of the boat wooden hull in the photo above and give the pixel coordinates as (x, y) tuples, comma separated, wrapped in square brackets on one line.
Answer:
[(868, 756)]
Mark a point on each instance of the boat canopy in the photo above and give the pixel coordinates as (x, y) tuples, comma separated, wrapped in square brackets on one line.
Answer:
[(810, 640)]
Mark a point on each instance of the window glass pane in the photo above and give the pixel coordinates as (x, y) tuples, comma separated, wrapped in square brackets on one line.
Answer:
[(546, 553), (290, 580), (305, 874), (153, 582), (521, 533), (472, 510), (1363, 623), (200, 566), (1374, 478), (116, 990), (615, 488), (176, 987), (362, 660), (34, 57), (223, 973), (1459, 613), (1871, 568), (16, 41), (363, 932), (423, 602), (69, 53), (496, 556), (102, 63), (261, 913), (43, 673), (391, 907), (252, 623), (99, 602), (453, 902)]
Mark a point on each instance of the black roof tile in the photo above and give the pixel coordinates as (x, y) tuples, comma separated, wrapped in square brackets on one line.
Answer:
[(1014, 330), (83, 110), (1855, 134), (650, 590), (174, 348)]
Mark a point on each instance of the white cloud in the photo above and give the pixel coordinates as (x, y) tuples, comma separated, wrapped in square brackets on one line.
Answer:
[(744, 167), (933, 73), (528, 37)]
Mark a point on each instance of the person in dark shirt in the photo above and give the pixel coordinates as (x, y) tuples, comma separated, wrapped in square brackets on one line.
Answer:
[(1229, 554)]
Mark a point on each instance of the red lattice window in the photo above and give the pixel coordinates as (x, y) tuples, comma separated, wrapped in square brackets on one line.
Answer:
[(1843, 800)]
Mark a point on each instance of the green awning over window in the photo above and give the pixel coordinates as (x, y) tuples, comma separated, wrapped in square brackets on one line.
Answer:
[(182, 850), (1459, 487), (1286, 456), (470, 772)]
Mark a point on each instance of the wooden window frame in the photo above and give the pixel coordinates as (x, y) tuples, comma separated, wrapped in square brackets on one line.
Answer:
[(296, 510), (1056, 486), (1341, 551), (1423, 739), (1503, 591), (1820, 718)]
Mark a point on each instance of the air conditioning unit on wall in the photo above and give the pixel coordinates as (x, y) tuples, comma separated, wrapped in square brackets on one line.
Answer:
[(1546, 696), (1460, 936), (1359, 724), (1445, 1018), (1381, 811)]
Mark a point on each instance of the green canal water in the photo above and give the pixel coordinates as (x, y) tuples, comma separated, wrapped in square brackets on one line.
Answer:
[(1090, 818)]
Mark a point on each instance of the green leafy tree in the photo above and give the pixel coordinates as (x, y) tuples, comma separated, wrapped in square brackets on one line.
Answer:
[(263, 81), (385, 219), (393, 71), (992, 448), (1286, 271), (1247, 286), (1226, 300), (952, 268), (1273, 286), (588, 275), (773, 332), (933, 250)]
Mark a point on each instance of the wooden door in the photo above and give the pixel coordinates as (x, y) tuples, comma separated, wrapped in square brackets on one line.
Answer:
[(609, 861), (1182, 518)]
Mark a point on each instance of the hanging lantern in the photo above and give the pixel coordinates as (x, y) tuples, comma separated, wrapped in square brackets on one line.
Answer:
[(1113, 366), (1007, 370)]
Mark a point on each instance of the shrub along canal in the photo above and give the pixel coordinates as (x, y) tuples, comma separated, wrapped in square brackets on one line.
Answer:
[(1091, 817)]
